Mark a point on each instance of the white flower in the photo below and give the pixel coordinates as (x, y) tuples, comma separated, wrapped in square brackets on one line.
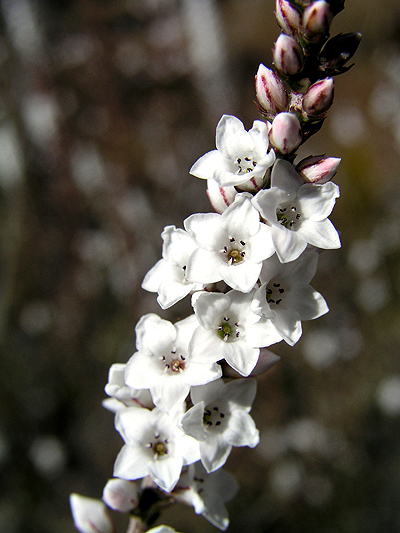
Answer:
[(168, 275), (155, 446), (90, 515), (163, 362), (207, 493), (161, 529), (241, 156), (297, 212), (286, 297), (232, 246), (230, 330), (122, 396), (220, 197), (121, 495), (220, 419)]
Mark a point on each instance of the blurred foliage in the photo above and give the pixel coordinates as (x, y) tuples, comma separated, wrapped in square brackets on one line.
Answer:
[(104, 106)]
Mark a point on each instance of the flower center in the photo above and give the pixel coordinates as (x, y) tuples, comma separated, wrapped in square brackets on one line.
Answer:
[(158, 446), (228, 330), (288, 216), (173, 363), (274, 293), (213, 416), (234, 251), (245, 165)]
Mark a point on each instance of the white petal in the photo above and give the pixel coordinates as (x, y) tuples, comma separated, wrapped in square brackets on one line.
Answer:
[(206, 230), (242, 276), (210, 307), (131, 463), (241, 393), (170, 292), (155, 275), (205, 346), (317, 201), (321, 234), (285, 177), (261, 244), (169, 392), (154, 334), (143, 370), (288, 244), (201, 373), (192, 422), (214, 452), (240, 356), (308, 302), (262, 334), (204, 266), (288, 324), (207, 393), (166, 471), (133, 424), (177, 245), (231, 138), (206, 165), (242, 430), (241, 218)]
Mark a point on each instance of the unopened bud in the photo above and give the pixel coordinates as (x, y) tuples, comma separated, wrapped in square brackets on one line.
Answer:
[(317, 18), (121, 495), (287, 16), (270, 91), (220, 197), (319, 97), (90, 515), (288, 55), (285, 133), (318, 169)]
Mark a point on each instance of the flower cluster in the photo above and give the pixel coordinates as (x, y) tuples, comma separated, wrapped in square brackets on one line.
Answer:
[(183, 399)]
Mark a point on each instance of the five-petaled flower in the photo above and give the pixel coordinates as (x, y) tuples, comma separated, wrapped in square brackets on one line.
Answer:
[(241, 156)]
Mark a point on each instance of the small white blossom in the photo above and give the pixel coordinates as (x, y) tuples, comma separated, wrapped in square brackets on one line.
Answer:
[(297, 212), (163, 363), (122, 396), (241, 156), (232, 246), (90, 515), (230, 330), (207, 493), (220, 419), (155, 446), (286, 297), (168, 275)]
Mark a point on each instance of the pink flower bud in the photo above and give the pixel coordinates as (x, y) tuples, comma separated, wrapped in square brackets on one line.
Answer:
[(285, 133), (288, 55), (121, 495), (220, 197), (317, 18), (270, 91), (318, 169), (319, 97), (287, 16)]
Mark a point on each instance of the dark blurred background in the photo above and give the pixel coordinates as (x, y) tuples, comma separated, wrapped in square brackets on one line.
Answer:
[(104, 106)]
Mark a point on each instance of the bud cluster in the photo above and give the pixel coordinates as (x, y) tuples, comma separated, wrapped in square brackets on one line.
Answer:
[(305, 61), (183, 399)]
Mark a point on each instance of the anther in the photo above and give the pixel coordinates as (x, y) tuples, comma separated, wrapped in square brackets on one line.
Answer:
[(242, 243), (281, 291), (232, 239)]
